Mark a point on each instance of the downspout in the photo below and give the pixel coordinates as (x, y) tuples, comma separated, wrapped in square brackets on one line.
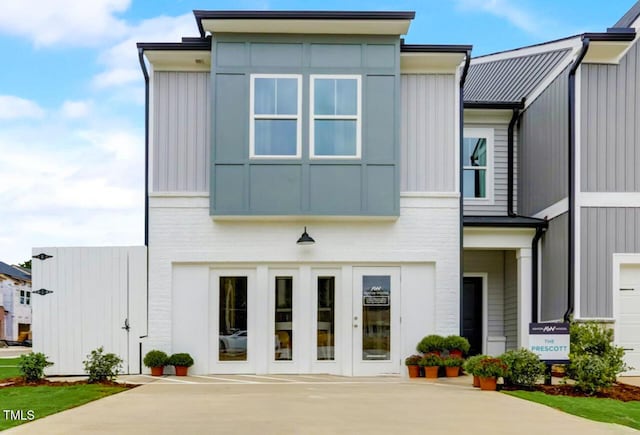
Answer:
[(540, 230), (463, 78), (571, 182), (512, 123), (145, 73)]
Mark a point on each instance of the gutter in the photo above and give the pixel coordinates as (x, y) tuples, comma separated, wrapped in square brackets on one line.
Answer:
[(463, 78), (571, 182), (512, 123), (535, 255)]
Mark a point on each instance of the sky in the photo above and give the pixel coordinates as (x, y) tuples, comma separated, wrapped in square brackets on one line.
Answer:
[(72, 96)]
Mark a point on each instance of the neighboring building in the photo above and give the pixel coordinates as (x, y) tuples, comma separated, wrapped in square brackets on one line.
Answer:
[(429, 215), (15, 298)]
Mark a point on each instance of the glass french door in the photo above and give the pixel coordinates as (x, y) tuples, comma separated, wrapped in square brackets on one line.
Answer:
[(285, 318), (326, 312), (376, 320)]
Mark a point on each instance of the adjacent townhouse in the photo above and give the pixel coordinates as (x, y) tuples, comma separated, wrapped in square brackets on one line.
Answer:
[(321, 195), (15, 303)]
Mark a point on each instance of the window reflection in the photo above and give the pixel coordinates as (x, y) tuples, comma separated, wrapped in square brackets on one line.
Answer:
[(326, 318), (233, 319), (376, 317), (284, 318)]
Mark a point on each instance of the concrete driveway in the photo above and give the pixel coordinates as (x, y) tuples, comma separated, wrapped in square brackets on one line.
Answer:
[(311, 405)]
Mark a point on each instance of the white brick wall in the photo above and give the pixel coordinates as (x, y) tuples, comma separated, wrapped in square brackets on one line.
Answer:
[(182, 231)]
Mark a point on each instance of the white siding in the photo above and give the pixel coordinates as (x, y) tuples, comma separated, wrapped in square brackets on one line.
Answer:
[(427, 133)]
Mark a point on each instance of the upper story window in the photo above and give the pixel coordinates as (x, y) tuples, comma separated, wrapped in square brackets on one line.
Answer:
[(335, 116), (25, 297), (275, 129), (477, 156)]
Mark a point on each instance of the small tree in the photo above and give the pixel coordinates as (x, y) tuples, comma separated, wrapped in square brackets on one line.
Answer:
[(102, 366), (32, 366)]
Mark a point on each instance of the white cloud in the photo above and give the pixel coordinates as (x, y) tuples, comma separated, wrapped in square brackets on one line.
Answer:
[(513, 12), (12, 107), (121, 64), (69, 22), (76, 109)]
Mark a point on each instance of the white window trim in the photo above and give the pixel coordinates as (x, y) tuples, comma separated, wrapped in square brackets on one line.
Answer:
[(357, 116), (253, 116), (487, 133)]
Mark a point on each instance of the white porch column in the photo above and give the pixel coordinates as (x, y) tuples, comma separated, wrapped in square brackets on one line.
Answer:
[(523, 258)]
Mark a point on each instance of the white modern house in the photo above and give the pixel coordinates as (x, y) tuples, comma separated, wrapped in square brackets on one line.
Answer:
[(321, 195), (15, 302)]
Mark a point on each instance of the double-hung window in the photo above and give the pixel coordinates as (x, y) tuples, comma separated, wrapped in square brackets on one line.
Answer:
[(275, 128), (477, 155), (335, 125)]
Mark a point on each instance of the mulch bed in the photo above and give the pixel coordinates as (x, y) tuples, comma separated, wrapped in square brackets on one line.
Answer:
[(623, 392), (20, 382)]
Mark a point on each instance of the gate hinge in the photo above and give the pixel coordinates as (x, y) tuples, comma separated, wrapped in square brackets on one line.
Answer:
[(42, 292), (42, 256)]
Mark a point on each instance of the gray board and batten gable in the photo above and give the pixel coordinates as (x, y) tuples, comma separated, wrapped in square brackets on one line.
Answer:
[(242, 186), (609, 127)]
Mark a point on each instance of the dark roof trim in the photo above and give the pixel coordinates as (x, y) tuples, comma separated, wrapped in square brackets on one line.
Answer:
[(504, 222), (514, 50), (629, 17), (611, 36), (505, 105), (430, 48), (187, 44)]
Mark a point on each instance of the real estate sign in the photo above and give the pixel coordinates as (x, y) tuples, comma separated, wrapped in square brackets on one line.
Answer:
[(376, 291), (550, 341)]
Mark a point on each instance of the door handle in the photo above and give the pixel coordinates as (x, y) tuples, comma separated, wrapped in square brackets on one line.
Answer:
[(126, 326), (355, 325)]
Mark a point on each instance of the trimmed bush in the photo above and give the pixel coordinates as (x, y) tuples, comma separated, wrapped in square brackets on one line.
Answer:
[(452, 362), (430, 360), (431, 343), (472, 363), (455, 342), (155, 358), (102, 366), (180, 359), (32, 366), (523, 367), (491, 368), (590, 373), (412, 360)]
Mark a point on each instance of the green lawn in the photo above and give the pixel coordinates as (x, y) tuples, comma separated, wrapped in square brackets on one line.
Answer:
[(6, 369), (44, 400), (604, 410)]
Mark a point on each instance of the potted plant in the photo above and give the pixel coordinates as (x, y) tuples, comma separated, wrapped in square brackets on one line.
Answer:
[(156, 360), (456, 345), (489, 370), (431, 344), (431, 364), (181, 362), (412, 363), (470, 367), (452, 365)]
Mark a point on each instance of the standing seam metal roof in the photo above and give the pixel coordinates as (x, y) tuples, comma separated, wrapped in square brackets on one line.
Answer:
[(510, 79), (14, 272), (627, 19)]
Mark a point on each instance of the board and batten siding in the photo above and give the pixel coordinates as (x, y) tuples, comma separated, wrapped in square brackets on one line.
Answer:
[(500, 174), (180, 131), (510, 300), (554, 258), (491, 263), (543, 149), (610, 131), (427, 133), (604, 231)]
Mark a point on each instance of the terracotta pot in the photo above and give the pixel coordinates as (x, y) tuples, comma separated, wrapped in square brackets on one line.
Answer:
[(181, 370), (488, 384), (157, 371), (453, 372), (414, 371), (455, 353), (476, 381), (431, 372)]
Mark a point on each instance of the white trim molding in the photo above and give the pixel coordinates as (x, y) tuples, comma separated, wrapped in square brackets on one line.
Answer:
[(554, 210), (609, 199), (488, 134)]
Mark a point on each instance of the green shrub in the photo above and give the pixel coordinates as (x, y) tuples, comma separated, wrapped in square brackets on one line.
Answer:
[(430, 360), (595, 361), (412, 360), (452, 362), (32, 366), (155, 358), (523, 367), (491, 368), (431, 343), (472, 363), (455, 342), (102, 366), (180, 359)]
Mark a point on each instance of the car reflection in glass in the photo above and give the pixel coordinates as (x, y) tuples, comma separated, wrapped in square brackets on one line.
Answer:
[(235, 343)]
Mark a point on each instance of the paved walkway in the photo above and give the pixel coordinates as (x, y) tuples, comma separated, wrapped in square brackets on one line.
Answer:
[(310, 404)]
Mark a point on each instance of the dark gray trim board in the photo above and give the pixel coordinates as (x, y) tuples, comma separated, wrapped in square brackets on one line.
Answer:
[(498, 105), (504, 221), (431, 48), (629, 17), (187, 44)]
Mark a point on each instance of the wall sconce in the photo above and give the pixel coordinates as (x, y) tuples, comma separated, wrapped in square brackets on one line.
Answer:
[(305, 239)]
